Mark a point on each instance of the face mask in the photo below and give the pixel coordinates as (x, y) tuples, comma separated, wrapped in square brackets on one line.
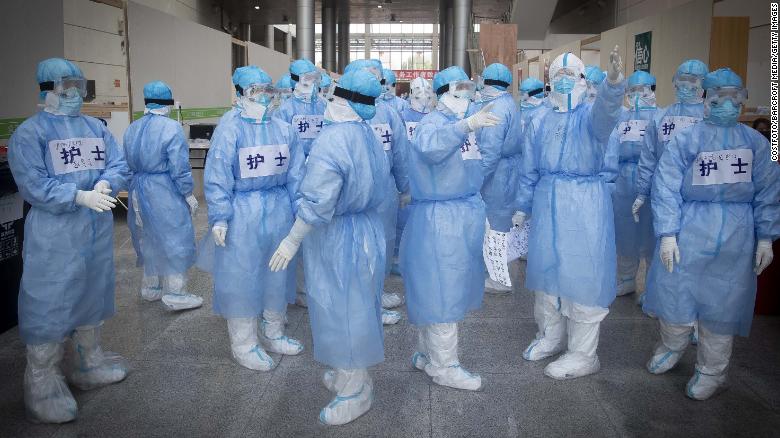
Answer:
[(422, 103), (490, 93), (162, 111), (688, 94), (67, 104), (725, 114), (564, 85), (531, 102), (458, 106), (304, 91), (338, 110), (253, 110)]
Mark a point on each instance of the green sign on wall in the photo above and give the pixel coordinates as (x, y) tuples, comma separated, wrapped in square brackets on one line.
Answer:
[(642, 43)]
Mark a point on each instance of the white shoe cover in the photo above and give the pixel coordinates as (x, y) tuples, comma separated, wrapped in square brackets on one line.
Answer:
[(543, 348), (90, 366), (244, 345), (329, 380), (551, 335), (663, 360), (274, 339), (671, 348), (349, 403), (390, 317), (419, 360), (151, 289), (496, 288), (183, 301), (454, 376), (703, 386), (391, 299), (47, 398), (572, 365)]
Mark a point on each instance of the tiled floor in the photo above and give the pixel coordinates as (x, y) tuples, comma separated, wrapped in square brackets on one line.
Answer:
[(184, 383)]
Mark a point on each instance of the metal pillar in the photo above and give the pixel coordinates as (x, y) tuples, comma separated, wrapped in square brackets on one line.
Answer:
[(343, 34), (288, 45), (304, 29), (435, 48), (450, 30), (460, 30), (443, 30), (269, 37), (329, 35)]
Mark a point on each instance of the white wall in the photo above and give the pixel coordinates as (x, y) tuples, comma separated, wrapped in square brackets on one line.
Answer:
[(272, 62), (198, 11), (757, 79), (193, 59), (93, 40), (30, 31)]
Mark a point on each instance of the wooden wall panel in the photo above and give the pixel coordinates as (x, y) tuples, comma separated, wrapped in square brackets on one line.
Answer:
[(729, 44), (498, 43)]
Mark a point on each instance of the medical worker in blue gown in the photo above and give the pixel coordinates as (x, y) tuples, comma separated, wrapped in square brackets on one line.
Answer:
[(161, 203), (250, 181), (325, 84), (441, 248), (284, 91), (531, 99), (345, 181), (686, 111), (66, 166), (500, 148), (567, 178), (634, 240), (303, 110), (388, 91), (422, 100), (390, 131), (594, 76), (716, 209)]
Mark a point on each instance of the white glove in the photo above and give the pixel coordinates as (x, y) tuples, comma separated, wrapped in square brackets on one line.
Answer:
[(615, 66), (103, 187), (289, 246), (405, 199), (518, 219), (193, 203), (95, 200), (218, 232), (638, 203), (764, 255), (482, 119), (670, 253)]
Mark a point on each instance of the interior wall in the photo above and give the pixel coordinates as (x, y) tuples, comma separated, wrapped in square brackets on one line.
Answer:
[(193, 59), (30, 31), (274, 63), (93, 40), (205, 12)]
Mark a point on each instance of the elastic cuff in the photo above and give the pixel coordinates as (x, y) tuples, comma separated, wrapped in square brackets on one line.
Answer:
[(222, 224), (299, 230), (463, 127)]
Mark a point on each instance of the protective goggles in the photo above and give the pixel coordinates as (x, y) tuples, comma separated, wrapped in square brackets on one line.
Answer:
[(460, 89), (64, 85), (567, 72), (260, 92), (716, 96), (689, 80), (640, 90), (354, 96), (312, 77), (539, 92)]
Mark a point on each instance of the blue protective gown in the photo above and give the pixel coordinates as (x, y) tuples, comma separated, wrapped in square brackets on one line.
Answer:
[(158, 156), (294, 110), (717, 225), (501, 152), (633, 240), (441, 248), (666, 123), (68, 277), (389, 129), (254, 194), (395, 102), (566, 180), (345, 181), (410, 118)]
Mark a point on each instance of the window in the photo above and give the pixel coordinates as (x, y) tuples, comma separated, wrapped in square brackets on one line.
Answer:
[(357, 28)]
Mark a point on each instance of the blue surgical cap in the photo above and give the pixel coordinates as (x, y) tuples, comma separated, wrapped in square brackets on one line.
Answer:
[(594, 74), (251, 76), (530, 84), (365, 83), (284, 81), (722, 77), (301, 66), (497, 72), (389, 76), (240, 72), (325, 82), (157, 90), (641, 77), (449, 74), (692, 67), (54, 69)]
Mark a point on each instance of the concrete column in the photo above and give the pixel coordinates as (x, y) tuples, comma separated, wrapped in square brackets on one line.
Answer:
[(435, 48), (304, 29), (269, 37), (288, 46), (343, 34), (461, 32), (443, 26), (329, 35), (450, 30), (367, 47)]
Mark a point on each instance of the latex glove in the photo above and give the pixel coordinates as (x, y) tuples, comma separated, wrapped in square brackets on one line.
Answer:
[(518, 219), (483, 118), (670, 253), (764, 255), (103, 187), (638, 203), (193, 203), (95, 200), (218, 232), (289, 246), (615, 65), (406, 199)]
